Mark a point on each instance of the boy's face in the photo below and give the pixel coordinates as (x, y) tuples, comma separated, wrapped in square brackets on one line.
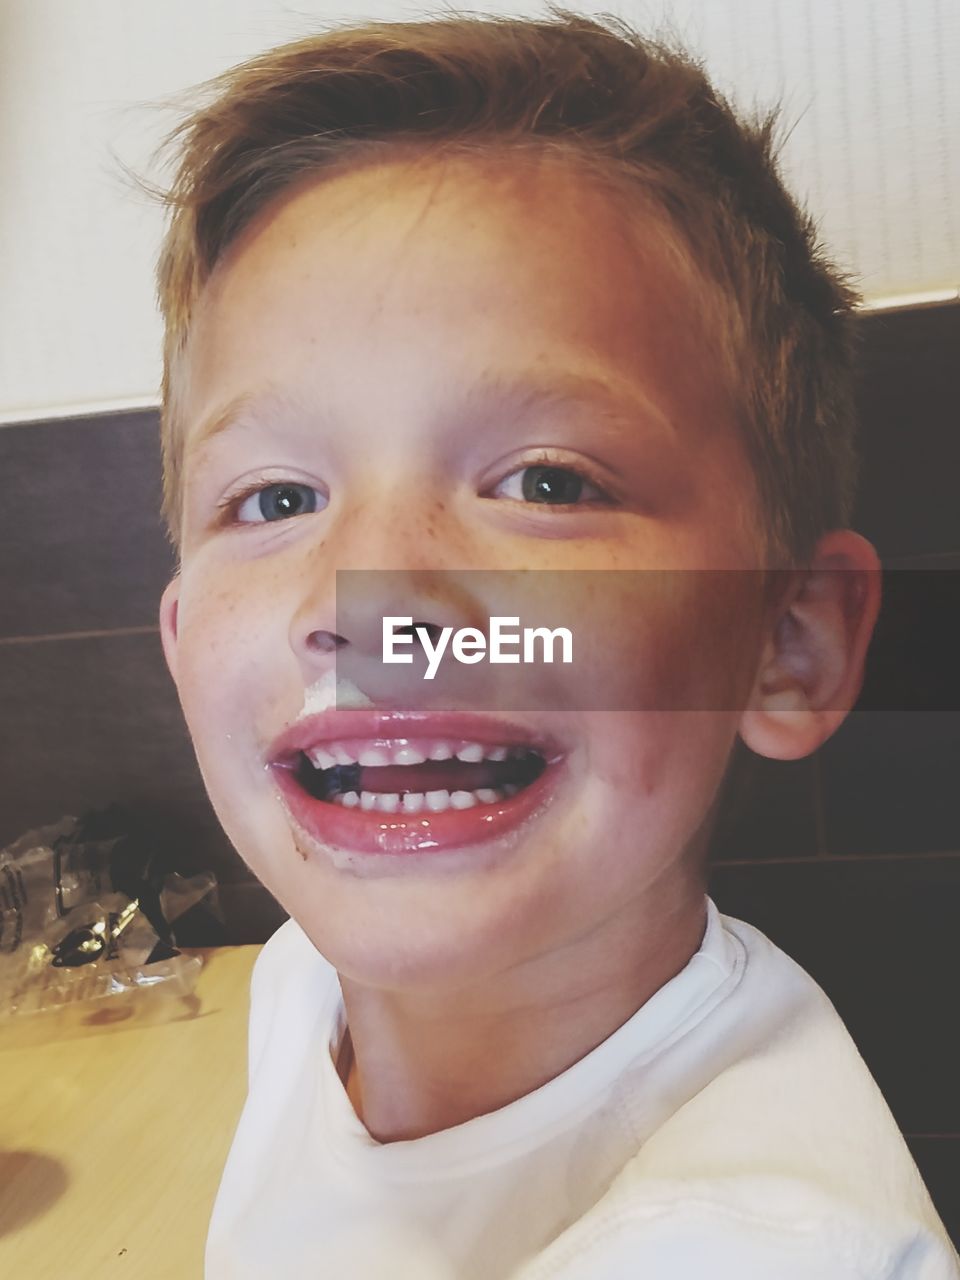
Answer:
[(340, 348)]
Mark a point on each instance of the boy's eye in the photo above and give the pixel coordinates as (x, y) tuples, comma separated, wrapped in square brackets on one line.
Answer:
[(556, 486), (279, 502)]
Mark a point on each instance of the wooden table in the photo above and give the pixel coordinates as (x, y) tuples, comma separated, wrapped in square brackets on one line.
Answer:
[(112, 1141)]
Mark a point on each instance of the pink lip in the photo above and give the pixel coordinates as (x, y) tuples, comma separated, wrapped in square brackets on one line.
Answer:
[(373, 832)]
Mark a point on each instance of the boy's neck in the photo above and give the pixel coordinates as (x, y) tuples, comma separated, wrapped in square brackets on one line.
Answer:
[(404, 1082)]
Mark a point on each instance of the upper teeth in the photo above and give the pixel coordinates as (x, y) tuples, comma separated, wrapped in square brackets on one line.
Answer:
[(381, 754)]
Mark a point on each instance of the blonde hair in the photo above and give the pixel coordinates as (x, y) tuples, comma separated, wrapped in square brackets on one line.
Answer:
[(592, 89)]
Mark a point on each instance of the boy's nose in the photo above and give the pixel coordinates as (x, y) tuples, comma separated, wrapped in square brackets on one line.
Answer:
[(347, 630), (330, 641)]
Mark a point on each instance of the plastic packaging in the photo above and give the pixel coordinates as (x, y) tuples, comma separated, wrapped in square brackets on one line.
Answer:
[(87, 911)]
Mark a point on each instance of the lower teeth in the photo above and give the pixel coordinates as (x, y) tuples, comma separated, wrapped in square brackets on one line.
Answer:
[(415, 802)]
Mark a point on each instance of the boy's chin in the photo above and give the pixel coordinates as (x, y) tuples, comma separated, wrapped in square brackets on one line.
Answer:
[(418, 934)]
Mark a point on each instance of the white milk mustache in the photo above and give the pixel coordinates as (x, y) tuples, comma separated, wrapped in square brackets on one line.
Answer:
[(329, 691)]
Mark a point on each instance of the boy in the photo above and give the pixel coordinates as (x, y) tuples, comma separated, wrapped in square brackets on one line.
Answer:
[(509, 295)]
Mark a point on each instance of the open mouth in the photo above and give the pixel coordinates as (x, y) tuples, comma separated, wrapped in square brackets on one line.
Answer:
[(408, 778), (411, 782)]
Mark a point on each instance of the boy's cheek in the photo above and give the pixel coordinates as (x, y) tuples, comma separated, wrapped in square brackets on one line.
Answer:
[(678, 641), (226, 650), (641, 754)]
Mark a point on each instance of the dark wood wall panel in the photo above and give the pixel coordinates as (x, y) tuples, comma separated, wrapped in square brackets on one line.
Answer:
[(97, 718), (81, 547), (910, 445), (889, 783)]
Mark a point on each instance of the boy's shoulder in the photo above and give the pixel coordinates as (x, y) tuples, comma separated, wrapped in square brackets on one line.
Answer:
[(773, 1082), (769, 1150), (747, 1228)]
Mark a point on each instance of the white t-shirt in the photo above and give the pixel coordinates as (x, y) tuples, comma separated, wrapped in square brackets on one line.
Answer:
[(729, 1130)]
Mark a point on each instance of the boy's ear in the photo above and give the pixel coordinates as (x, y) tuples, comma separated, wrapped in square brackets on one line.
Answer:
[(811, 665), (169, 603)]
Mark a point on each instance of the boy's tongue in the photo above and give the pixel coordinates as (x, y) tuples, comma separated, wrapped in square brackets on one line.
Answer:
[(433, 775)]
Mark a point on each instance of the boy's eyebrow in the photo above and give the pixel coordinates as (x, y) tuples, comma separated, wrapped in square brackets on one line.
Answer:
[(617, 400), (245, 407)]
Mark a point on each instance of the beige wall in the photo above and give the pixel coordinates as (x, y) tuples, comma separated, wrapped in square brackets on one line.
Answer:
[(871, 85)]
